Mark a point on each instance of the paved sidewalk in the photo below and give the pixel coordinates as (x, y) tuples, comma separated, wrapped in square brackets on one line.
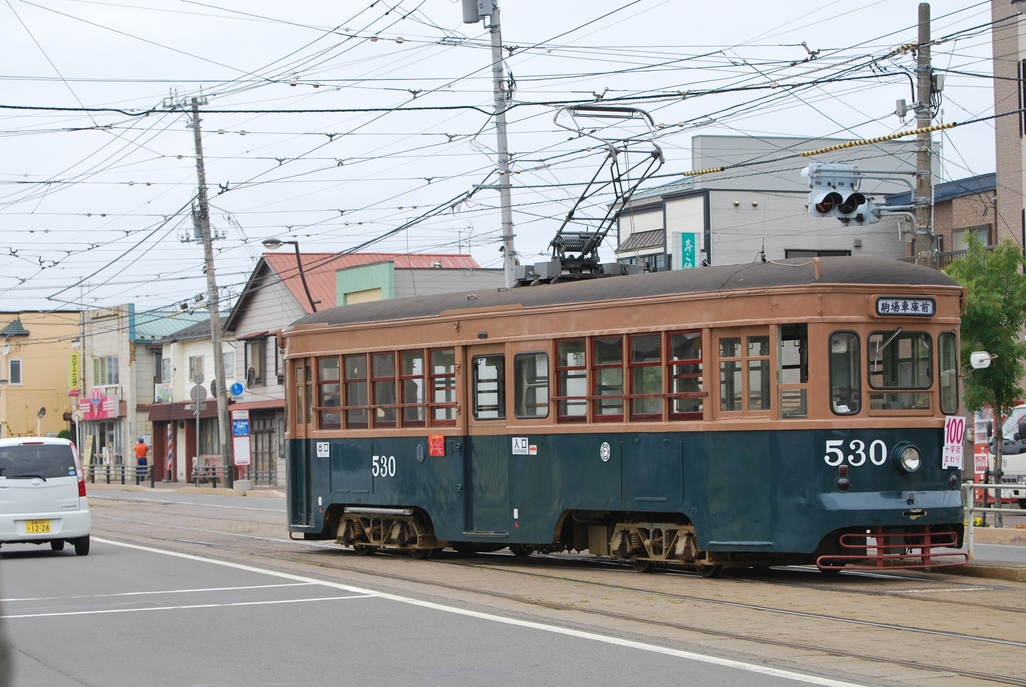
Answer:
[(184, 488)]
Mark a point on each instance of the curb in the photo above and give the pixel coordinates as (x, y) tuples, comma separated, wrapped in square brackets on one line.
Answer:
[(990, 572)]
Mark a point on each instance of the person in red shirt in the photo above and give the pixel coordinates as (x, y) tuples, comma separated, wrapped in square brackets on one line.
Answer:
[(140, 458)]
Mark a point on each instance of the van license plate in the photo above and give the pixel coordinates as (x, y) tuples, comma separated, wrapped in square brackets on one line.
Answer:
[(37, 527)]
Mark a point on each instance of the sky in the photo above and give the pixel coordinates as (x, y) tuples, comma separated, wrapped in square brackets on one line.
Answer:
[(338, 124)]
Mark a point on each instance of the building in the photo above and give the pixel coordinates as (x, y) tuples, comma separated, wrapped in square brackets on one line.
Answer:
[(275, 296), (36, 355), (119, 377), (1008, 39), (758, 211)]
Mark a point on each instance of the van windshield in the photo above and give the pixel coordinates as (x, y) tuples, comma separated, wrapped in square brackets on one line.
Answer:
[(36, 460)]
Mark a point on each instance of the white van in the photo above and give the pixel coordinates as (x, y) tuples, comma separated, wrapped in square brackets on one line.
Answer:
[(42, 494), (1013, 458)]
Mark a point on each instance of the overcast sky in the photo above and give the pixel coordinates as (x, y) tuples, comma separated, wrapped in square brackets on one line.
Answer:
[(95, 194)]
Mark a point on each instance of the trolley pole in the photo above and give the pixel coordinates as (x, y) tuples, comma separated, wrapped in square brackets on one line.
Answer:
[(212, 305), (923, 243)]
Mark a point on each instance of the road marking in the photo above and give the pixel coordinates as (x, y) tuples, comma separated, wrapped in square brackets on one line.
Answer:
[(165, 591), (181, 608), (555, 629)]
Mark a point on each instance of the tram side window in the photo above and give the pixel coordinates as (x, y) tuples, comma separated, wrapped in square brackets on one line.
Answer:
[(489, 387), (572, 373), (731, 389), (356, 391), (531, 385), (383, 386), (845, 373), (745, 373), (947, 354), (607, 367), (646, 374), (900, 360), (793, 369), (443, 387), (412, 384), (309, 394), (685, 373), (328, 393)]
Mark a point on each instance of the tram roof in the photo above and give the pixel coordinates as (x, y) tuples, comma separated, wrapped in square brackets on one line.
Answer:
[(781, 273)]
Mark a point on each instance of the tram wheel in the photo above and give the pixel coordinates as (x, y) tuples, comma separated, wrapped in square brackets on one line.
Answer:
[(643, 566), (521, 550), (709, 571), (364, 550), (421, 554)]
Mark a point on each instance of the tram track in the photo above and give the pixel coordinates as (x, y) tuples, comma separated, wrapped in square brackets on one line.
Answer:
[(232, 542)]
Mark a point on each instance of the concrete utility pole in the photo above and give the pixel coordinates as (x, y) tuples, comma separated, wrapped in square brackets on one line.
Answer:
[(923, 248), (473, 12), (212, 304)]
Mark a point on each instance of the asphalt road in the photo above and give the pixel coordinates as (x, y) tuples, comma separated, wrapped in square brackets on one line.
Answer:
[(128, 615)]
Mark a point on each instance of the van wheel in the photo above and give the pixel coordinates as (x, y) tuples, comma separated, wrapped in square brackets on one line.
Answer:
[(1022, 504), (82, 546), (57, 544)]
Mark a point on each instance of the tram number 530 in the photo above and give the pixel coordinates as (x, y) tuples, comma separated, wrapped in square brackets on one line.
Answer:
[(856, 452), (383, 466)]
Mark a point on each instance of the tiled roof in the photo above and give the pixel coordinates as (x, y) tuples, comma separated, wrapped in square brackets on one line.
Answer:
[(15, 328), (320, 270), (958, 188), (199, 330), (157, 325), (641, 240)]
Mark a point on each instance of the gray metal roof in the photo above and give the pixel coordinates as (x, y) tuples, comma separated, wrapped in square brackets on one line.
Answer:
[(150, 326)]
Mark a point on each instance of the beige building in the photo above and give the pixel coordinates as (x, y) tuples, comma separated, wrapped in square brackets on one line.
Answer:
[(1008, 35), (35, 352)]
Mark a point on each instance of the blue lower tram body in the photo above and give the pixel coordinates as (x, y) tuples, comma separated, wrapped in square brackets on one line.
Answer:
[(745, 498)]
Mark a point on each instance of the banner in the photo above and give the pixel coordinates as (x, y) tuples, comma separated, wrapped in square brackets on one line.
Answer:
[(74, 370)]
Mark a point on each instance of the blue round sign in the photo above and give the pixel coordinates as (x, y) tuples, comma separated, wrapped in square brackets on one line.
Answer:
[(236, 389)]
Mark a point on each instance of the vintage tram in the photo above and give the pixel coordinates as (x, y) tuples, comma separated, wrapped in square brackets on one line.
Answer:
[(777, 413)]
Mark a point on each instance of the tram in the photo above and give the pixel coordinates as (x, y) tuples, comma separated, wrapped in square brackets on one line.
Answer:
[(777, 413)]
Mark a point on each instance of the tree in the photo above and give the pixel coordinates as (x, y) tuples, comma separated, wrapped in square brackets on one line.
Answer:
[(993, 320)]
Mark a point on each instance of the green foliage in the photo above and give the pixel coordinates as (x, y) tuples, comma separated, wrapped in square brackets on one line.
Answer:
[(992, 321), (64, 434)]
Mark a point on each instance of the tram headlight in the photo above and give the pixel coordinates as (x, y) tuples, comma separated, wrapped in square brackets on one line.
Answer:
[(906, 457)]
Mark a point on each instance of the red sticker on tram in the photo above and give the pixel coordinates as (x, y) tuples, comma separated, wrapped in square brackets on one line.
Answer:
[(436, 445)]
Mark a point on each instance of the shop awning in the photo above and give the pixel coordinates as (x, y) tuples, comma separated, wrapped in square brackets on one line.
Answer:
[(271, 404), (185, 410)]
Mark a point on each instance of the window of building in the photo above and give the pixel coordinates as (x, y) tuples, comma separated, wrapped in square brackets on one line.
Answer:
[(210, 439), (195, 368), (228, 358), (685, 373), (900, 360), (411, 381), (443, 387), (805, 253), (356, 391), (948, 357), (165, 370), (531, 385), (255, 362), (14, 371), (572, 405), (328, 393), (489, 380), (383, 385), (793, 369), (607, 370), (646, 375), (105, 371), (845, 373)]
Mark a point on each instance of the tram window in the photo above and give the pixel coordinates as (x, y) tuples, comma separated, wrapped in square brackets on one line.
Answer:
[(845, 373), (356, 391), (531, 385), (309, 394), (685, 373), (900, 360), (758, 373), (607, 363), (573, 381), (730, 373), (793, 369), (646, 373), (443, 387), (489, 387), (383, 385), (947, 354), (300, 411), (412, 384), (328, 393)]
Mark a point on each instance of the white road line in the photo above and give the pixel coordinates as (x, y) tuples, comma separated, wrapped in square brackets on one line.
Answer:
[(180, 608), (555, 629), (164, 591)]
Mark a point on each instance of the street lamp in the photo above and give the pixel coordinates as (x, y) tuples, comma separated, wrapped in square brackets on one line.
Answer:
[(275, 244), (1020, 6)]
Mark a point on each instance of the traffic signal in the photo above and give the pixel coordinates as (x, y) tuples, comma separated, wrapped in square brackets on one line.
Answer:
[(834, 193)]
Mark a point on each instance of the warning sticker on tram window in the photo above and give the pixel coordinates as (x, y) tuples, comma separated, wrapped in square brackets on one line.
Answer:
[(917, 307), (954, 434)]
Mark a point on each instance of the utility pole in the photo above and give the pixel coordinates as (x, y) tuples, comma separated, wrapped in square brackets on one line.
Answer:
[(473, 12), (923, 243), (212, 304)]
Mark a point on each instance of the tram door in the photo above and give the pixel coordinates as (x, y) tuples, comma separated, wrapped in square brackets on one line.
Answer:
[(487, 456)]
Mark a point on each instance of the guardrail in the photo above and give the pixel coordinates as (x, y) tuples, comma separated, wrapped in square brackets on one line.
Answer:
[(124, 473), (971, 509), (211, 471)]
